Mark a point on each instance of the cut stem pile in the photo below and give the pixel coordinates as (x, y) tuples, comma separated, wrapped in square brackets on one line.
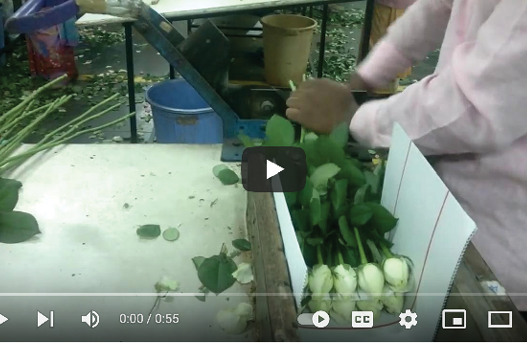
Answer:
[(12, 136)]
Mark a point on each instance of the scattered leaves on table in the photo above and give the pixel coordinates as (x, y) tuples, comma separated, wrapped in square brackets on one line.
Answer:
[(215, 273), (9, 189), (166, 285), (149, 231), (242, 244), (17, 227), (225, 174), (234, 320), (197, 261), (171, 234), (244, 273)]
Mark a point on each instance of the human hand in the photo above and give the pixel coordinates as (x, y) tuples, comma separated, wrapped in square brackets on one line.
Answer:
[(321, 105), (356, 83)]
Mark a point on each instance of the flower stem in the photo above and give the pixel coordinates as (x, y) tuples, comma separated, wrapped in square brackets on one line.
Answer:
[(23, 105), (302, 134), (292, 85), (386, 250), (11, 162), (82, 118), (15, 141), (363, 258), (319, 255), (341, 259)]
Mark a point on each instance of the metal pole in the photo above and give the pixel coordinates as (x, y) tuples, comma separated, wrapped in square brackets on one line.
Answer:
[(171, 70), (366, 30), (131, 83), (322, 47)]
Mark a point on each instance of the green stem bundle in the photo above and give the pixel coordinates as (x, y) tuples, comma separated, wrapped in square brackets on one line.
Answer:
[(11, 120), (8, 116), (385, 250), (319, 255), (341, 259), (363, 259), (11, 162)]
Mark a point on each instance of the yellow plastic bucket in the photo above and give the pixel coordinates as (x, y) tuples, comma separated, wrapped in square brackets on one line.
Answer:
[(287, 42)]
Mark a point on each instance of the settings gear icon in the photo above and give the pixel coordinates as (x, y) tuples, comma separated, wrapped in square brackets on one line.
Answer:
[(408, 314)]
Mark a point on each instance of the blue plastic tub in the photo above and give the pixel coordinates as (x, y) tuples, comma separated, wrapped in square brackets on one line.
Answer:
[(181, 115)]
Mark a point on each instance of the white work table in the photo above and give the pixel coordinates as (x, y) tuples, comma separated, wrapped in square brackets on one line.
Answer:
[(184, 9), (89, 242)]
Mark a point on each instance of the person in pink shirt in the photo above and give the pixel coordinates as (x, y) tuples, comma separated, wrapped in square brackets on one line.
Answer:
[(471, 113), (385, 13)]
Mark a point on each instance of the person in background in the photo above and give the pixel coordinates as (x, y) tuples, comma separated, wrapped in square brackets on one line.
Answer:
[(471, 114), (385, 13)]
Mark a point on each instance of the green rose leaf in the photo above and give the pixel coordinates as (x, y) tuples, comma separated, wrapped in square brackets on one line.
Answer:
[(352, 173), (228, 177), (171, 234), (340, 135), (339, 194), (218, 168), (322, 175), (325, 209), (246, 140), (301, 219), (291, 198), (305, 301), (360, 214), (241, 244), (17, 227), (330, 151), (9, 193), (149, 231), (382, 219), (347, 234), (315, 241), (215, 273), (315, 211), (279, 132), (310, 137), (361, 193), (197, 261), (306, 194)]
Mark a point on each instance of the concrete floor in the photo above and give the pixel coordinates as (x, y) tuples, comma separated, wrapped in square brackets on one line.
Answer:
[(247, 65)]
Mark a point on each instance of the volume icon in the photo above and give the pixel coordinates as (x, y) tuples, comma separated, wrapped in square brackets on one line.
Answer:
[(91, 319)]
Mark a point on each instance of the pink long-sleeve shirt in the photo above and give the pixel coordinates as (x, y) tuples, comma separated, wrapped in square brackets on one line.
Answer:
[(472, 112)]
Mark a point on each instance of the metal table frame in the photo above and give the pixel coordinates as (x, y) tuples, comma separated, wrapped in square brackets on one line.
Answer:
[(363, 51)]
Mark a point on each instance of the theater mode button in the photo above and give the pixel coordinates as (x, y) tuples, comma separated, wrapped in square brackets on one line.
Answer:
[(274, 169)]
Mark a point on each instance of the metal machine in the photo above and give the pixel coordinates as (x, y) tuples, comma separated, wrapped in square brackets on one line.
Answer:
[(203, 60)]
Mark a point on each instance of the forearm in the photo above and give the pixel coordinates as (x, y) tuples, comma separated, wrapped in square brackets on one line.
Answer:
[(476, 104), (418, 32)]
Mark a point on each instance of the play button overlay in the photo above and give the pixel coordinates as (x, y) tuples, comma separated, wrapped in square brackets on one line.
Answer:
[(320, 319), (274, 169), (3, 319)]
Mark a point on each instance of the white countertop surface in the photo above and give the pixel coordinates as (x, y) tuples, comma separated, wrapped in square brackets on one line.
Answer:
[(182, 9), (89, 242)]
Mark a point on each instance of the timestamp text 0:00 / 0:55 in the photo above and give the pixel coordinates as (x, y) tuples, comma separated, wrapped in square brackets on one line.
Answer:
[(158, 318)]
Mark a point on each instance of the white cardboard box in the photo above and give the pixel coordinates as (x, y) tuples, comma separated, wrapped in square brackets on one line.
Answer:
[(433, 230)]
